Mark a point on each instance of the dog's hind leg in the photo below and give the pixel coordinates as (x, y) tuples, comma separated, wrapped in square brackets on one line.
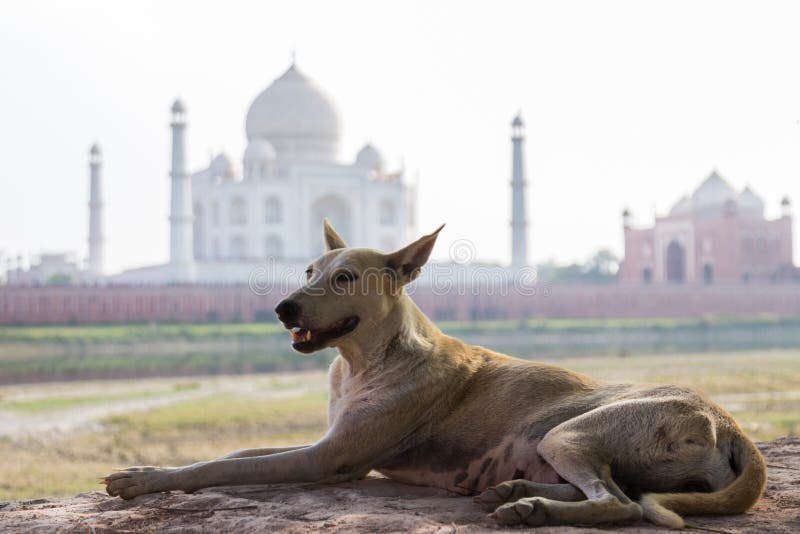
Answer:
[(514, 490), (605, 502), (574, 450)]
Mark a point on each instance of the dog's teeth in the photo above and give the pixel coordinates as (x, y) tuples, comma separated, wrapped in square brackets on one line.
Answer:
[(296, 329), (308, 335)]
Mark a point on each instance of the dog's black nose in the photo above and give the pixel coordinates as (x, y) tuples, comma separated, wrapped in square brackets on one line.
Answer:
[(288, 311)]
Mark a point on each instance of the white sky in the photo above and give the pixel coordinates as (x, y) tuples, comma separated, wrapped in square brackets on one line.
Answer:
[(626, 104)]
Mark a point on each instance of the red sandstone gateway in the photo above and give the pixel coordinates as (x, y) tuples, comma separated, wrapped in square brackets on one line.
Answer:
[(716, 235)]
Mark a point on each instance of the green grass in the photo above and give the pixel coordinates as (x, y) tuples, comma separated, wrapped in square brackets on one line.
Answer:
[(132, 333), (49, 402), (771, 424), (63, 403), (122, 364), (659, 323), (715, 373), (221, 412), (183, 433), (118, 351), (266, 412)]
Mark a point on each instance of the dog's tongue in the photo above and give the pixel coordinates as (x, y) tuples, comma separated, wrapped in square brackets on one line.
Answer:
[(298, 336)]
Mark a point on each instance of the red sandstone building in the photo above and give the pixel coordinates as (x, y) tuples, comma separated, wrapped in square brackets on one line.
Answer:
[(716, 235)]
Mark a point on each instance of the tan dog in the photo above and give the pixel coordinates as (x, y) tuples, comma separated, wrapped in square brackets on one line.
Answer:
[(543, 444)]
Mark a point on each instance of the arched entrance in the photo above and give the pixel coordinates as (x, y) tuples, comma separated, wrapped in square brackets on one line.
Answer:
[(647, 275), (708, 273), (676, 263), (336, 209)]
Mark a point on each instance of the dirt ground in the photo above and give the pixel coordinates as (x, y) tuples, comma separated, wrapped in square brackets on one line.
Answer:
[(372, 505)]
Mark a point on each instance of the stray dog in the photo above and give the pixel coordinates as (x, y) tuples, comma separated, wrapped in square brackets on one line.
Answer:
[(536, 444)]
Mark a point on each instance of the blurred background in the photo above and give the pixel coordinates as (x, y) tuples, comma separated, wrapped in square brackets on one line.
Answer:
[(617, 181)]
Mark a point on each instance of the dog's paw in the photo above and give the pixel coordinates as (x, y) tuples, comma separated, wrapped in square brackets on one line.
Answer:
[(493, 497), (132, 481), (530, 511), (509, 491)]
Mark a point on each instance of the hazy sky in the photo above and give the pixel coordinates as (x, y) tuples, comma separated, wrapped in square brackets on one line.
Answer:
[(626, 104)]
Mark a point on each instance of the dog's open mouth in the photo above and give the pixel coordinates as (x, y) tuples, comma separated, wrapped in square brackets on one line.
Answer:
[(306, 340)]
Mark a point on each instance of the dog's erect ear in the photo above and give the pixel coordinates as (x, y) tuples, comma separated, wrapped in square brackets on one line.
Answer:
[(408, 261), (332, 239)]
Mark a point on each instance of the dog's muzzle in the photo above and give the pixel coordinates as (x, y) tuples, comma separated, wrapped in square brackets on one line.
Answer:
[(288, 311)]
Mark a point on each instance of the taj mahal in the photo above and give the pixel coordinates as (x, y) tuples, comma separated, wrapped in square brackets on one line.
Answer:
[(224, 222), (229, 221)]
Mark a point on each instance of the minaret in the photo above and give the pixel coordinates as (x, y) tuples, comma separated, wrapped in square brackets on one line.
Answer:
[(96, 248), (626, 218), (519, 233), (180, 218), (786, 207)]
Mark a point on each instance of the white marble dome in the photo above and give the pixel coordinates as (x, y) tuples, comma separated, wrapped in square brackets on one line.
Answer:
[(715, 191), (715, 197), (297, 118), (682, 207), (750, 203), (222, 167), (369, 158), (259, 159)]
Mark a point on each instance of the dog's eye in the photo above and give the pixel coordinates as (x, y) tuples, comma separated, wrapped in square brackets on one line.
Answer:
[(309, 273), (344, 277)]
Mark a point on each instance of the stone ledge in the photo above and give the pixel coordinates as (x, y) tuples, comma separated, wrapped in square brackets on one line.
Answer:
[(372, 505)]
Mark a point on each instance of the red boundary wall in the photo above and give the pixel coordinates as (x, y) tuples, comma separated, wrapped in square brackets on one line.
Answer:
[(196, 303)]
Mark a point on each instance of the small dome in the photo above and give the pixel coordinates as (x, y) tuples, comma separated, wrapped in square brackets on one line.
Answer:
[(750, 203), (178, 107), (785, 201), (296, 117), (259, 150), (222, 167), (517, 120), (95, 150), (369, 157)]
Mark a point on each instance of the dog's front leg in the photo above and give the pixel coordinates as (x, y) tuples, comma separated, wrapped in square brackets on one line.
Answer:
[(249, 453), (321, 462)]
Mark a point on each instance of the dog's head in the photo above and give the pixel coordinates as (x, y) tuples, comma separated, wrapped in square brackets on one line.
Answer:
[(349, 291)]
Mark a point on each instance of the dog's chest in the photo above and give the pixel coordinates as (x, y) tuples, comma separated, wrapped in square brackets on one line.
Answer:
[(465, 469)]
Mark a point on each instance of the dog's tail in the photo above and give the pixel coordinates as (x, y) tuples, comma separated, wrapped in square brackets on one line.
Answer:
[(735, 498)]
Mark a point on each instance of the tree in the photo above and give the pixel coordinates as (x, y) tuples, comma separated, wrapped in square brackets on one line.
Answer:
[(601, 267), (59, 279), (604, 264)]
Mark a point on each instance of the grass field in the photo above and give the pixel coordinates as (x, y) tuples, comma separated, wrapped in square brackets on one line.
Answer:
[(132, 332), (125, 333), (56, 439), (47, 353)]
